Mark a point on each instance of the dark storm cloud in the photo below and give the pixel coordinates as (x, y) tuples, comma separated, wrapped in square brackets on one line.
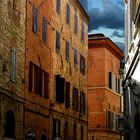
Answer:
[(117, 34), (111, 16), (120, 45)]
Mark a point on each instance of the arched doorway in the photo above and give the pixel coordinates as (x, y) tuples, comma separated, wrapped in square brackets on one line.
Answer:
[(10, 124)]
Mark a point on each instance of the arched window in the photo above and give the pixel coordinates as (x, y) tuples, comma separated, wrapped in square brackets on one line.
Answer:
[(10, 124), (43, 137)]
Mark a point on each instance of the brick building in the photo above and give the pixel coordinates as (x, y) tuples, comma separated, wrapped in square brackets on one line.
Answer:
[(104, 88), (12, 59), (38, 69), (69, 71), (56, 70)]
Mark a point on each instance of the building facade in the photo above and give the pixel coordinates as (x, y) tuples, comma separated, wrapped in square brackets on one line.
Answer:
[(132, 67), (12, 60), (104, 88), (69, 71), (56, 70)]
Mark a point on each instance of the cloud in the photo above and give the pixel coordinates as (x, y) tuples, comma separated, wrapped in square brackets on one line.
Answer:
[(117, 34), (84, 4), (111, 16), (120, 45)]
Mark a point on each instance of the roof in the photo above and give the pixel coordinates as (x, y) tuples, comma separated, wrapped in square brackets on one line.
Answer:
[(83, 10), (98, 40)]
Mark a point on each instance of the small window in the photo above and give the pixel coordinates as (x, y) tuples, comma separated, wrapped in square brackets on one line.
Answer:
[(56, 129), (44, 29), (75, 99), (68, 14), (60, 89), (67, 50), (76, 24), (82, 103), (57, 41), (10, 125), (14, 64), (82, 32), (82, 64), (67, 95), (75, 57), (35, 20), (58, 6)]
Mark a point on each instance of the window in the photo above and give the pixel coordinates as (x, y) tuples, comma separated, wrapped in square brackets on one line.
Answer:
[(75, 57), (60, 89), (14, 64), (67, 50), (56, 129), (66, 132), (57, 41), (76, 24), (44, 29), (67, 95), (35, 20), (82, 32), (82, 103), (75, 99), (82, 133), (74, 132), (82, 64), (68, 14), (38, 80), (110, 80), (58, 6), (10, 124)]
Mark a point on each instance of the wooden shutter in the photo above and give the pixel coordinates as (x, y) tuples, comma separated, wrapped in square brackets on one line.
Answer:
[(38, 80), (57, 41), (67, 95), (67, 50), (76, 24), (118, 85), (110, 80), (44, 29), (57, 87), (35, 20), (30, 76), (75, 99), (76, 96), (82, 32), (75, 57), (58, 6), (68, 14), (14, 64), (46, 84), (82, 64)]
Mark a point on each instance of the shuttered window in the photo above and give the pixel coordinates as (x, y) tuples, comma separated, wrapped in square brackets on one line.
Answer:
[(75, 57), (38, 80), (35, 20), (57, 41), (56, 129), (60, 82), (44, 29), (76, 24), (68, 14), (75, 99), (14, 64), (82, 103), (82, 32), (58, 6), (82, 64), (82, 133), (67, 50), (110, 80), (67, 95)]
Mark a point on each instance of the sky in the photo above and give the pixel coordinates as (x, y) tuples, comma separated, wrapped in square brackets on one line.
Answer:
[(107, 17)]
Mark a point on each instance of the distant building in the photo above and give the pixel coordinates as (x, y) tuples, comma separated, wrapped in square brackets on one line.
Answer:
[(132, 69), (104, 88), (12, 60)]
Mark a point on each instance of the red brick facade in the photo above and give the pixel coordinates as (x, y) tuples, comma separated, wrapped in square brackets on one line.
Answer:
[(104, 102)]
